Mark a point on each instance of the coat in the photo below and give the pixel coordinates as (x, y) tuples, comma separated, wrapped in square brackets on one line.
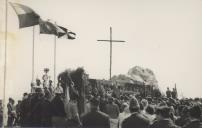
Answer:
[(194, 124), (95, 119), (165, 123), (136, 120)]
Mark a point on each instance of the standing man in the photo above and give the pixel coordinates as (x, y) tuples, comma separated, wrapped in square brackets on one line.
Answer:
[(11, 112), (58, 109), (137, 119), (168, 93), (163, 119), (112, 110), (95, 118)]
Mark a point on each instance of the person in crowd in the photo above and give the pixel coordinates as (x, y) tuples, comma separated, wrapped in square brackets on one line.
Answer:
[(51, 88), (47, 93), (163, 118), (25, 96), (18, 113), (195, 115), (95, 118), (184, 116), (144, 103), (103, 103), (58, 110), (150, 113), (174, 93), (137, 119), (25, 108), (71, 108), (123, 115), (112, 110), (41, 111), (168, 93), (87, 105), (45, 78), (1, 113), (11, 112)]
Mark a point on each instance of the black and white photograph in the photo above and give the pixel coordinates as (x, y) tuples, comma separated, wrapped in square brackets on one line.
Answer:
[(101, 63)]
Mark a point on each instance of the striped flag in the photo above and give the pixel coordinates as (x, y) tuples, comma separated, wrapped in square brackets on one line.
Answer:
[(27, 17)]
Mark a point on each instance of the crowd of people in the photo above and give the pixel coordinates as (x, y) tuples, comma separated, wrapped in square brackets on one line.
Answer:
[(47, 106), (129, 111)]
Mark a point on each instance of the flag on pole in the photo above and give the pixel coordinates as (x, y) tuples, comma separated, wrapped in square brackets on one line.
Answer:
[(71, 35), (47, 27), (27, 17), (60, 34)]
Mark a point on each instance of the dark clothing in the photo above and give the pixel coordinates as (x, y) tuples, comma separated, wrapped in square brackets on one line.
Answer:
[(136, 120), (58, 111), (58, 107), (182, 121), (95, 119), (102, 105), (25, 113), (1, 116), (41, 114), (168, 93), (166, 123), (18, 114), (112, 110), (11, 116), (194, 124)]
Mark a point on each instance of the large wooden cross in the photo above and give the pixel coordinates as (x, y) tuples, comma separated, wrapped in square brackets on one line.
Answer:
[(110, 68)]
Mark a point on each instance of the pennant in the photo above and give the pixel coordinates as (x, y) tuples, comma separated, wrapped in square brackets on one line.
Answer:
[(27, 17)]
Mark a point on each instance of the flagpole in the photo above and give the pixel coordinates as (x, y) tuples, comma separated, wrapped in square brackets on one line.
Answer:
[(5, 63), (33, 48), (55, 59)]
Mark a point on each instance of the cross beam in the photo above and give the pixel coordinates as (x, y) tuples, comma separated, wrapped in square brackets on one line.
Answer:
[(110, 68)]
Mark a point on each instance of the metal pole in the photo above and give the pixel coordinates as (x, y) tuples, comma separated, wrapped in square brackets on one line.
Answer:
[(110, 54), (33, 48), (55, 60), (5, 64)]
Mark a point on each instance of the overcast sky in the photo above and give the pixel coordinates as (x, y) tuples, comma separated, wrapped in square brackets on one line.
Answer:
[(163, 35)]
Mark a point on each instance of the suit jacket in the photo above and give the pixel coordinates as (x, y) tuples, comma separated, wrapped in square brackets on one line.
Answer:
[(165, 123), (194, 124), (136, 120), (95, 119)]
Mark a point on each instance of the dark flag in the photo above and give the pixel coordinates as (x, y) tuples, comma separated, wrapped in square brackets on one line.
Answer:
[(47, 27), (60, 34), (27, 17), (71, 35)]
